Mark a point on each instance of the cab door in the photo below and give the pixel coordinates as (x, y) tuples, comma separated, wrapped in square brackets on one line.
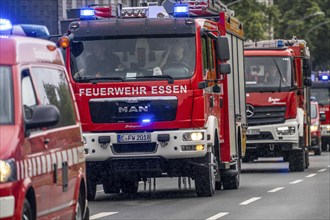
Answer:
[(63, 140), (36, 164)]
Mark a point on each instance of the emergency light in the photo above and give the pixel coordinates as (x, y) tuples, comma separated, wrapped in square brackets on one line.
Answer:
[(146, 120), (280, 43), (87, 13), (324, 77), (181, 10), (5, 24)]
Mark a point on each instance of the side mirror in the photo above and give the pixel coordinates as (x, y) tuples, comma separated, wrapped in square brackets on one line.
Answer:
[(322, 116), (224, 68), (43, 116), (222, 48), (307, 67)]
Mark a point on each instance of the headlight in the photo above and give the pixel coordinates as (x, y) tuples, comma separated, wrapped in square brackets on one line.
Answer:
[(193, 136), (314, 127), (6, 171), (286, 130)]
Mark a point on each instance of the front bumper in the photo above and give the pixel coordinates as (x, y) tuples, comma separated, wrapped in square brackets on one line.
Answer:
[(325, 131), (10, 207), (268, 135), (174, 148)]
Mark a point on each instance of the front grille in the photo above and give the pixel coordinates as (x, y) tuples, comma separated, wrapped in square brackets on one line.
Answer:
[(137, 165), (267, 115), (133, 109), (134, 148), (264, 135)]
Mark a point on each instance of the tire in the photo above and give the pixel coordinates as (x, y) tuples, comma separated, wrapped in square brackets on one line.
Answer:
[(91, 190), (231, 180), (27, 211), (297, 161), (130, 186), (205, 178), (79, 211), (286, 156), (306, 159), (317, 151)]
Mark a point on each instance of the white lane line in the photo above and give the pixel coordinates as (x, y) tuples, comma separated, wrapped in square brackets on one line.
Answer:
[(217, 216), (311, 175), (250, 200), (98, 191), (101, 215), (276, 189), (296, 181), (321, 170), (328, 165)]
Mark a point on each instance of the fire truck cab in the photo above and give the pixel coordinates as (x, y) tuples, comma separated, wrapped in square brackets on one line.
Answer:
[(42, 162), (277, 74), (168, 102), (321, 91)]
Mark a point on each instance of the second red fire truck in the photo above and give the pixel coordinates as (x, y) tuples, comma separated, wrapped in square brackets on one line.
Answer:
[(160, 94), (278, 101)]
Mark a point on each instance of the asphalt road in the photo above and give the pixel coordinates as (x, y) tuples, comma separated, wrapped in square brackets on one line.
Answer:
[(267, 191)]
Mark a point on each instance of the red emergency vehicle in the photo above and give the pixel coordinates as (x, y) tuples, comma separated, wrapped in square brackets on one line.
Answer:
[(146, 115), (321, 91), (316, 142), (42, 162), (278, 101)]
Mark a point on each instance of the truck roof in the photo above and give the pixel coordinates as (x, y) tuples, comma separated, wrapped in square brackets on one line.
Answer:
[(18, 49)]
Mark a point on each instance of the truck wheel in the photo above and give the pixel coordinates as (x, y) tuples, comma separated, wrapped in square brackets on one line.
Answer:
[(91, 190), (27, 212), (285, 156), (129, 186), (110, 187), (79, 212), (297, 161), (324, 145), (230, 179), (317, 151), (306, 158), (205, 178)]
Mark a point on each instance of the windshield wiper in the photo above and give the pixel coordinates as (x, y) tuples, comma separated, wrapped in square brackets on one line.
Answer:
[(170, 79)]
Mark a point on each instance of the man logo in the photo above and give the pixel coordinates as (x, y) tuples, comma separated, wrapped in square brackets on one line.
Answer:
[(133, 109), (249, 111)]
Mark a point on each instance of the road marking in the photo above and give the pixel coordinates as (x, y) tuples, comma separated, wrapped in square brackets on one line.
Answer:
[(296, 181), (217, 216), (101, 215), (311, 175), (100, 191), (328, 165), (250, 200), (276, 189), (321, 170)]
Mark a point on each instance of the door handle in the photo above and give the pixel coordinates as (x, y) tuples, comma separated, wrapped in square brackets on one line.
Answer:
[(46, 141)]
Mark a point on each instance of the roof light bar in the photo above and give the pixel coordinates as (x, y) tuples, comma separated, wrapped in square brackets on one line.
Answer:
[(87, 13), (181, 10), (5, 25)]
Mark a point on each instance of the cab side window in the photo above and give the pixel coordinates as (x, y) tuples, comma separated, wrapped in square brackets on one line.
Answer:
[(28, 96), (52, 89)]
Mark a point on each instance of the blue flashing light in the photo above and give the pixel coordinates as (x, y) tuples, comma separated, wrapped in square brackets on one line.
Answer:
[(146, 120), (181, 10), (324, 78), (5, 24), (280, 43), (87, 13)]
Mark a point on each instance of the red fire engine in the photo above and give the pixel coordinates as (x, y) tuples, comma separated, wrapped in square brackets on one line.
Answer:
[(168, 99), (321, 91), (278, 101), (42, 162)]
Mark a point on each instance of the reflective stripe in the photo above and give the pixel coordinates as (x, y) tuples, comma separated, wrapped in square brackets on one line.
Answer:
[(39, 166), (18, 169), (70, 157), (34, 167), (59, 160)]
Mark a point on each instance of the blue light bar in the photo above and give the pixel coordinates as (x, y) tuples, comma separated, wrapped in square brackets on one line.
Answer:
[(324, 77), (5, 24), (280, 43), (87, 13), (181, 10), (146, 120)]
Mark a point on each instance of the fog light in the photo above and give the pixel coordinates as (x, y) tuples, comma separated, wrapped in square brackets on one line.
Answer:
[(287, 130), (199, 147)]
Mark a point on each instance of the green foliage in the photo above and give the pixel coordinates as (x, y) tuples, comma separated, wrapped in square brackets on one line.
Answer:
[(305, 19)]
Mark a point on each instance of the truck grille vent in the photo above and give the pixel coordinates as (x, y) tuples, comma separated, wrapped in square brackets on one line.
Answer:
[(134, 148), (267, 115), (265, 135)]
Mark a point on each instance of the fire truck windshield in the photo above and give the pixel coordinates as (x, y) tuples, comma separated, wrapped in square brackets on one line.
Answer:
[(123, 59), (6, 96), (268, 73)]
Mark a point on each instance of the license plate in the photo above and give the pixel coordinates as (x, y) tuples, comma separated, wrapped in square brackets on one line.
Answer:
[(253, 131), (140, 137)]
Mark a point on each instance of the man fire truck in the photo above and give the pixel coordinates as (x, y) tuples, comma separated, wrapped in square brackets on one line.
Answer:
[(42, 159), (278, 101), (146, 114), (321, 91)]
